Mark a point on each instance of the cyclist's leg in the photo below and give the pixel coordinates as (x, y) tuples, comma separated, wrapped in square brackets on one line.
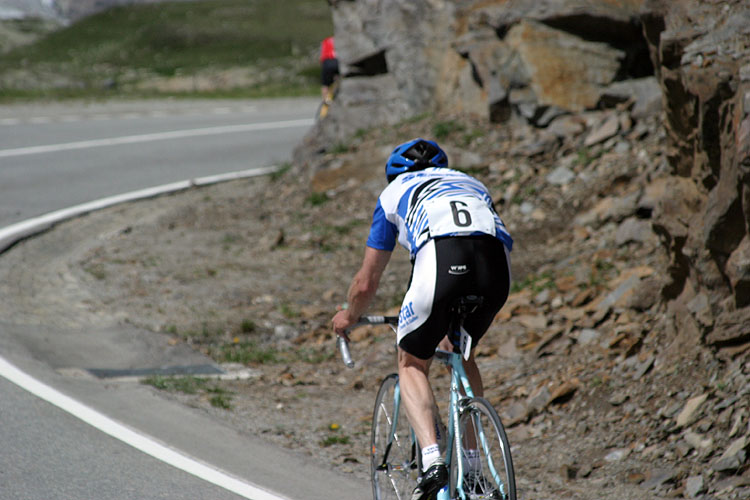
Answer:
[(474, 375), (417, 338), (417, 396)]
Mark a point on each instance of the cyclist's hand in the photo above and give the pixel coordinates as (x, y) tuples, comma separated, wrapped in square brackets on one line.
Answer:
[(342, 322)]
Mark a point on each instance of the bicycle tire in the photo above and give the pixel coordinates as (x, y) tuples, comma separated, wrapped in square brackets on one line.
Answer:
[(493, 476), (393, 462)]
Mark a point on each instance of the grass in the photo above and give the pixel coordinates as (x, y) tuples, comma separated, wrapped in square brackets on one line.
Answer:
[(317, 199), (220, 398), (332, 440), (97, 271), (111, 51), (247, 353), (443, 129), (535, 282)]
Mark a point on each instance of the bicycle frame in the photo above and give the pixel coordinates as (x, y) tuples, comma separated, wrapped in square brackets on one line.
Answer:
[(460, 393), (460, 382)]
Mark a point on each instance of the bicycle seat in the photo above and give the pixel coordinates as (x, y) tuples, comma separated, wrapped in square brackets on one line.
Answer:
[(460, 308), (466, 304)]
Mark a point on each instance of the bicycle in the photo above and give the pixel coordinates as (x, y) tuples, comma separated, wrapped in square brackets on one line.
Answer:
[(395, 456)]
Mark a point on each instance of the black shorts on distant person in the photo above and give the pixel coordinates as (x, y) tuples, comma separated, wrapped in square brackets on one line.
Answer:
[(451, 268), (329, 71)]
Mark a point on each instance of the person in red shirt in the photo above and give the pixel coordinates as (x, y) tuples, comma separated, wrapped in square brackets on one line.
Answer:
[(329, 65)]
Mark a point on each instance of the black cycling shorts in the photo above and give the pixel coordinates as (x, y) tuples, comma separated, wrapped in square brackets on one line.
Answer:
[(444, 270), (329, 71)]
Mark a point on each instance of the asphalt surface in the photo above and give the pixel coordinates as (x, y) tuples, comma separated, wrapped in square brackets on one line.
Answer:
[(67, 434)]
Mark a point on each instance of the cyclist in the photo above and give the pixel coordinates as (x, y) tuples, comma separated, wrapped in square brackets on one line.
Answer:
[(329, 66), (458, 246)]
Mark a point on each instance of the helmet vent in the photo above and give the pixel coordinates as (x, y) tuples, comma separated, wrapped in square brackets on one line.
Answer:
[(421, 152)]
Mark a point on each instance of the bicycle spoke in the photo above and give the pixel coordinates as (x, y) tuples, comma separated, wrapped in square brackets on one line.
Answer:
[(488, 467), (393, 468)]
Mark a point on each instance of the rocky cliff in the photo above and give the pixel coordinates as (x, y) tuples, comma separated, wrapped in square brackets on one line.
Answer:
[(554, 64), (701, 52)]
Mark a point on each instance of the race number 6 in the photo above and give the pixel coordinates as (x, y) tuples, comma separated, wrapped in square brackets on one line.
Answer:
[(461, 216)]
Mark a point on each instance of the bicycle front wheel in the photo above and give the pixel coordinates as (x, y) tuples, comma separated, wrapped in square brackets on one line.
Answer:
[(484, 452), (394, 457)]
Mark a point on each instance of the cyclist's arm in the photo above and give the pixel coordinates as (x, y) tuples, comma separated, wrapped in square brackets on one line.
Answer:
[(362, 289)]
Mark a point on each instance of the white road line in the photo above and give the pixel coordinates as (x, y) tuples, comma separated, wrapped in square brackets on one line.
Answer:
[(131, 437), (11, 234), (158, 136)]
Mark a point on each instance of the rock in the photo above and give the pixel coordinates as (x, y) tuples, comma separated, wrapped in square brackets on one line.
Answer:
[(734, 456), (561, 176), (689, 413), (537, 322), (738, 272), (732, 327), (587, 336), (618, 398), (567, 126), (700, 308), (515, 413), (700, 71), (465, 159), (608, 128), (564, 70), (620, 294), (737, 424), (646, 295), (645, 93), (539, 400), (284, 332), (698, 442), (694, 486), (658, 477), (564, 391), (617, 455), (272, 240), (633, 230), (643, 367)]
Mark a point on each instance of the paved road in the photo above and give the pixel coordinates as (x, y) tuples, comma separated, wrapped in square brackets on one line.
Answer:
[(56, 155), (64, 438)]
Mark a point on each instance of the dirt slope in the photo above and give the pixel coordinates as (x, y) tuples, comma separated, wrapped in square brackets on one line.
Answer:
[(601, 396)]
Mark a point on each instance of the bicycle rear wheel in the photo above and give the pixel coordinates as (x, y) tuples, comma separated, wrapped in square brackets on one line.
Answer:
[(394, 459), (484, 452)]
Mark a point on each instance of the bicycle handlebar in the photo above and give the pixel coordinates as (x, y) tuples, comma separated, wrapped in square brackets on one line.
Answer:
[(343, 343)]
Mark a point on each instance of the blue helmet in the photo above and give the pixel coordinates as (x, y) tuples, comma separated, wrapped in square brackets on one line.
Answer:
[(414, 155)]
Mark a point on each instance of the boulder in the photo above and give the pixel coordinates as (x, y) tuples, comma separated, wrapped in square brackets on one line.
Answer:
[(564, 70), (644, 95), (537, 59), (381, 36)]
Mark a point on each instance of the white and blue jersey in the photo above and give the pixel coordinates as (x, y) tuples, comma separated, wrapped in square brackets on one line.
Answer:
[(430, 203)]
